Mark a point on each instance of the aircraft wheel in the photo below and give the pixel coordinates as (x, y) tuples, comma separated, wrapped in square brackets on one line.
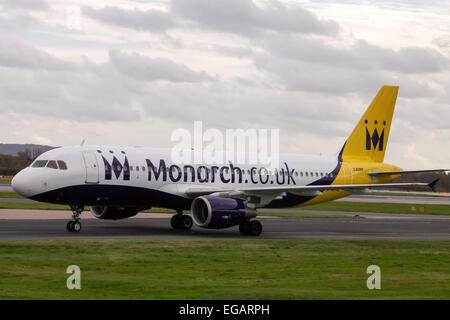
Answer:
[(187, 222), (255, 228), (73, 226), (76, 226), (181, 222), (243, 227), (177, 221)]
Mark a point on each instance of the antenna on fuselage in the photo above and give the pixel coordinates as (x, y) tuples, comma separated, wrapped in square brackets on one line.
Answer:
[(82, 142)]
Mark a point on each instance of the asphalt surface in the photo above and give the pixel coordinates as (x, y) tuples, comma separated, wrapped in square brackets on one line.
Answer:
[(6, 188), (42, 224), (38, 224)]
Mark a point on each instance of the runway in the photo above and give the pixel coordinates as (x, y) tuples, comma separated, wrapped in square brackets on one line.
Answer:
[(6, 188), (41, 224)]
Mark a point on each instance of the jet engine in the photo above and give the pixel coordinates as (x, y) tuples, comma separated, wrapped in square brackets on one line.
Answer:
[(217, 213), (114, 213)]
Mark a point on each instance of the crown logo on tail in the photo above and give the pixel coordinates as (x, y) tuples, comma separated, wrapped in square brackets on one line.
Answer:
[(374, 139)]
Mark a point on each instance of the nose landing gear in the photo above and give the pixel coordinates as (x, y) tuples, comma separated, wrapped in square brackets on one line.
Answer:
[(75, 224)]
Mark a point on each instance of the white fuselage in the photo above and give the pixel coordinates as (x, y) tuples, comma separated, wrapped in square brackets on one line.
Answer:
[(146, 177)]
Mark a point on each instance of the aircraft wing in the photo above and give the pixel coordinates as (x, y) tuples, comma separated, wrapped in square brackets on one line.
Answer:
[(395, 173), (301, 190), (346, 187)]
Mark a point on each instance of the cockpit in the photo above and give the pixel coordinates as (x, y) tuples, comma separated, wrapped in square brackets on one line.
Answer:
[(53, 164)]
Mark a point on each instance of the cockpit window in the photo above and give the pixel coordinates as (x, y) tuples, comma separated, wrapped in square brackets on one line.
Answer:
[(39, 164), (62, 165), (52, 164)]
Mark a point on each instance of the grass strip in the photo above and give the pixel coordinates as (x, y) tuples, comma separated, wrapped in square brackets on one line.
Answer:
[(217, 269)]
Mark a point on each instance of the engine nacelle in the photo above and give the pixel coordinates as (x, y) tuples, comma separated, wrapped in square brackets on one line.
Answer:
[(217, 213), (113, 213)]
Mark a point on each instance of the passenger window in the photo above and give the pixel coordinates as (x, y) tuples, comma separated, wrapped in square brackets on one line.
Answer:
[(131, 168), (301, 173), (137, 168), (306, 174), (62, 165), (321, 174), (52, 164), (143, 168), (39, 164)]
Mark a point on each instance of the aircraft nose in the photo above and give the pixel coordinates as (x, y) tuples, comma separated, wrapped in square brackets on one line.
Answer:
[(20, 184)]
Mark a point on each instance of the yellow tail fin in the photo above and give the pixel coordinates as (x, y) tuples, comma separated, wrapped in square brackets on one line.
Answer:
[(369, 139)]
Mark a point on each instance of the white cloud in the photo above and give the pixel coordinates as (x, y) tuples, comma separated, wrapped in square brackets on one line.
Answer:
[(149, 69), (136, 71), (17, 53), (24, 5), (149, 20), (360, 55), (247, 18)]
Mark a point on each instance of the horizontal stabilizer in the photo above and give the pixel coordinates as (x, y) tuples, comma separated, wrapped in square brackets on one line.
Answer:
[(396, 173), (432, 185)]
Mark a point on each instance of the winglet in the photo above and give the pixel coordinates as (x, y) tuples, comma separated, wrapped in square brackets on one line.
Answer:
[(432, 185)]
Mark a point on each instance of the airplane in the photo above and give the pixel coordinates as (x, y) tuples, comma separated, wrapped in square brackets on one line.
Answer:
[(119, 182)]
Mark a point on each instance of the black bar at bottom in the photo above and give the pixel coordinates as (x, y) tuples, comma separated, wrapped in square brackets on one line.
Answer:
[(221, 309)]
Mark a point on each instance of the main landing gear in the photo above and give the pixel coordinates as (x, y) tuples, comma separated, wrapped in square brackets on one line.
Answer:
[(250, 228), (75, 224), (181, 221)]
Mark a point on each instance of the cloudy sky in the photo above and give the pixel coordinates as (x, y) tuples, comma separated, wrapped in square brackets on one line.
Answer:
[(131, 72)]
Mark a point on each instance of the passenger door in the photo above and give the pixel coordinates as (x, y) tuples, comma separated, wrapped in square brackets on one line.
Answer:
[(90, 162)]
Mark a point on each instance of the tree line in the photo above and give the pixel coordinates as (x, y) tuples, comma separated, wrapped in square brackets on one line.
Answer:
[(10, 165), (442, 186)]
